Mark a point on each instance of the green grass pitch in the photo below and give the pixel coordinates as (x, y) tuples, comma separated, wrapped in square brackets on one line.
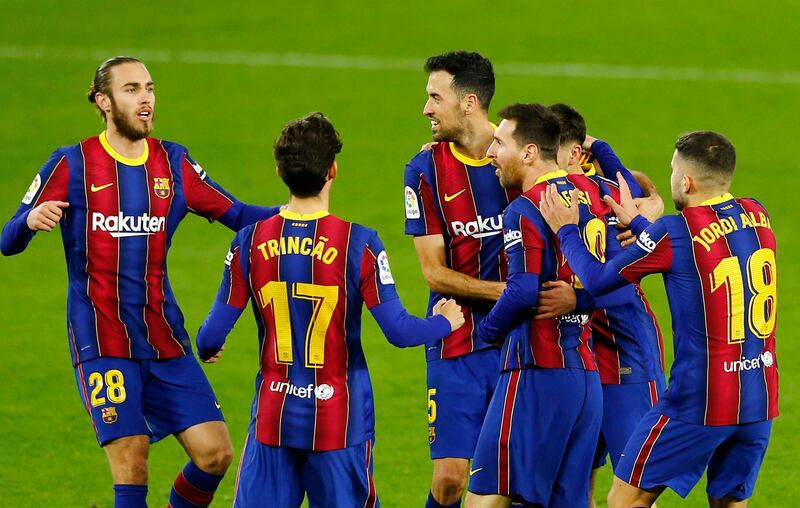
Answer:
[(230, 75)]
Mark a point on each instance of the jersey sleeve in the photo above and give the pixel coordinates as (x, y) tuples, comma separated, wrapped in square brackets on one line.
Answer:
[(376, 283), (231, 300), (652, 253), (422, 217), (49, 184), (613, 166), (524, 243)]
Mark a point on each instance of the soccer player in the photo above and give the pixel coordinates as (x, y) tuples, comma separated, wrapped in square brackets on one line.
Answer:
[(453, 207), (718, 260), (119, 197), (626, 339), (308, 273), (540, 433)]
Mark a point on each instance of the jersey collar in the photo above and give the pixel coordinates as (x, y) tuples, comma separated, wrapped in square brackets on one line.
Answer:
[(549, 176), (467, 160), (588, 169), (286, 214), (717, 200), (138, 161)]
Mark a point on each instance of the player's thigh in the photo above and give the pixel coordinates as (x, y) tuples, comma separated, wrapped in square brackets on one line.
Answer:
[(459, 391), (269, 475), (341, 477), (527, 431), (625, 495), (624, 406), (571, 484), (112, 390), (734, 466), (666, 452), (486, 501), (177, 396)]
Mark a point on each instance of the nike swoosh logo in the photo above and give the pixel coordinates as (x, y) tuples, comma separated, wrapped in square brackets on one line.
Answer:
[(473, 471), (98, 189), (217, 404), (454, 196)]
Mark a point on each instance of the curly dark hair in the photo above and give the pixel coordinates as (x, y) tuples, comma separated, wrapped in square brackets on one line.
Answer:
[(304, 152)]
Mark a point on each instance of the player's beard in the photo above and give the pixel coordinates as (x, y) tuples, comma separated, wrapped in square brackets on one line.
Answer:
[(127, 128)]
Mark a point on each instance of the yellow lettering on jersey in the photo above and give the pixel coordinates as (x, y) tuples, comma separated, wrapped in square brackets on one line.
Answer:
[(727, 225), (583, 197), (296, 245)]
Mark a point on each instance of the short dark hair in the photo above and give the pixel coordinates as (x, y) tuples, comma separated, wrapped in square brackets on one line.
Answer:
[(573, 126), (536, 124), (102, 79), (304, 152), (712, 151), (472, 73)]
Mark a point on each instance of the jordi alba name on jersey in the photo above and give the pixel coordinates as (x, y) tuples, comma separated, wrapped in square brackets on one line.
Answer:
[(562, 342), (720, 273), (116, 232), (308, 277), (449, 194)]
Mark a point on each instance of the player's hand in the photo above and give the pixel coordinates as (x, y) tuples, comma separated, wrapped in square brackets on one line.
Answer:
[(557, 299), (555, 211), (588, 142), (626, 238), (651, 207), (626, 209), (450, 310), (45, 216), (427, 146), (216, 356)]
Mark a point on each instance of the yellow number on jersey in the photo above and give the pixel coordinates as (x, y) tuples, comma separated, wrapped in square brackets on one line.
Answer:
[(762, 281), (324, 298)]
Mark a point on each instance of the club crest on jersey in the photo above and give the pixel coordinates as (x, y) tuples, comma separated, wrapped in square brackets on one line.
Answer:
[(412, 204), (109, 414), (161, 187), (431, 435), (32, 190)]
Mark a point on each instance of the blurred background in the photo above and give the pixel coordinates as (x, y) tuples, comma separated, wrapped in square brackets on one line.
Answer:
[(229, 75)]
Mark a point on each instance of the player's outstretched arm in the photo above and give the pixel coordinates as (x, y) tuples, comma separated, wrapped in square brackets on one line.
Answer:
[(404, 330), (232, 298), (444, 280), (650, 254), (611, 164)]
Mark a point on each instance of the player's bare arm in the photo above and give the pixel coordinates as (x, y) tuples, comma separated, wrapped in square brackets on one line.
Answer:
[(440, 278), (45, 216)]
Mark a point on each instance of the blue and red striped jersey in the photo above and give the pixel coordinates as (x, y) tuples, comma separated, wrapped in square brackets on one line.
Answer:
[(562, 342), (626, 338), (116, 232), (719, 266), (449, 194), (308, 277)]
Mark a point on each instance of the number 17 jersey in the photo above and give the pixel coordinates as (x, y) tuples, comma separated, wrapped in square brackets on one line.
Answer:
[(308, 277)]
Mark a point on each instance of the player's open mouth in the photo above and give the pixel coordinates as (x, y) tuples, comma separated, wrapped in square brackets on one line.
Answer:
[(434, 124), (145, 114)]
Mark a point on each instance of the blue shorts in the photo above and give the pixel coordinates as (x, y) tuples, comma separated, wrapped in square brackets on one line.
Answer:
[(539, 437), (459, 391), (624, 405), (156, 398), (279, 477), (666, 452)]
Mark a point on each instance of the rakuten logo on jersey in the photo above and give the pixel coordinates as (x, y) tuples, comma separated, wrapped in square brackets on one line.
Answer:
[(764, 360), (479, 228), (121, 226)]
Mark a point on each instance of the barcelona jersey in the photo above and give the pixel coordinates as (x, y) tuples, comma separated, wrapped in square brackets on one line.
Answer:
[(449, 194), (626, 339), (719, 266), (562, 342), (308, 277), (116, 232)]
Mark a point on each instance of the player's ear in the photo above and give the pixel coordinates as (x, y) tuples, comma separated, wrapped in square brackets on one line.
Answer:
[(530, 153), (470, 103), (687, 184), (333, 170), (103, 102), (575, 154)]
